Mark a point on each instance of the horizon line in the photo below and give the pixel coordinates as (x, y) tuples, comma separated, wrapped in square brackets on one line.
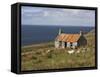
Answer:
[(58, 25)]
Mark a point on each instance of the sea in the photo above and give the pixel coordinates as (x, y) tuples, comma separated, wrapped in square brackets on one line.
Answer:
[(36, 34)]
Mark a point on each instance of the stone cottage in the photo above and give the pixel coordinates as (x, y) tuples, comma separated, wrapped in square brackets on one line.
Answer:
[(64, 40)]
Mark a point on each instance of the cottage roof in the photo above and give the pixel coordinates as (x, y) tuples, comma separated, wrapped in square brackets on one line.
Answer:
[(68, 37)]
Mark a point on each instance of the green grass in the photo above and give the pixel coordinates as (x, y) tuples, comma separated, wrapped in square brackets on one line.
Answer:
[(45, 56)]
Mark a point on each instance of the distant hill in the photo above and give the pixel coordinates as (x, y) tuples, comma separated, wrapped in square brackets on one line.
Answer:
[(91, 32), (90, 36)]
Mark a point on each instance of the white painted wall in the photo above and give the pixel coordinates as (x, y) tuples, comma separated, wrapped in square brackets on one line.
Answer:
[(63, 44), (56, 44), (68, 44), (75, 43), (5, 41)]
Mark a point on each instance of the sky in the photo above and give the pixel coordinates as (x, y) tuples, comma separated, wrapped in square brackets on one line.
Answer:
[(56, 16)]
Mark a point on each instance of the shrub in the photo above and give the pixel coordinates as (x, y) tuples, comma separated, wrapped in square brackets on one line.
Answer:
[(34, 57)]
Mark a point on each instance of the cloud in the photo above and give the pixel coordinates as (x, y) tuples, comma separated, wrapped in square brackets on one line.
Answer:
[(57, 16)]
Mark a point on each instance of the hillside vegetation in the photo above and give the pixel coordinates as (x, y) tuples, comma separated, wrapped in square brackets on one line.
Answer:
[(46, 56)]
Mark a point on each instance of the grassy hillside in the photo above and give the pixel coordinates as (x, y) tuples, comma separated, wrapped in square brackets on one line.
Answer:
[(46, 56)]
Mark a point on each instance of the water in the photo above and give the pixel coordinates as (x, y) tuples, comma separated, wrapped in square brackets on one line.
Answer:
[(40, 34)]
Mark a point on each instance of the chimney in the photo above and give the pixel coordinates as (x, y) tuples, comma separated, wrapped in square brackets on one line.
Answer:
[(60, 31), (81, 33)]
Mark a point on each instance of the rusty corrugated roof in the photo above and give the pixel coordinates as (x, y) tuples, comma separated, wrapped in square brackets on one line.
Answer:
[(68, 37)]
